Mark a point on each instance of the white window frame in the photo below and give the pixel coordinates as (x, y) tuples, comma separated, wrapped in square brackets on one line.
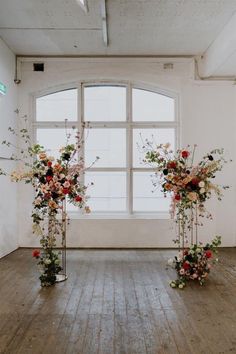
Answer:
[(129, 125)]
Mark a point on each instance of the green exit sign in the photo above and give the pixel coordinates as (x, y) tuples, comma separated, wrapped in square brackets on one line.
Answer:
[(3, 89)]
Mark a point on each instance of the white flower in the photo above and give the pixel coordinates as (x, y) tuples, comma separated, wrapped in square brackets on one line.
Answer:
[(202, 190), (172, 284), (198, 250), (181, 286), (170, 262), (201, 184), (47, 261), (57, 261)]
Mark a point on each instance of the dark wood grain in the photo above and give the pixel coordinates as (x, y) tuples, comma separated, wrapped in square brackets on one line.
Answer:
[(116, 301)]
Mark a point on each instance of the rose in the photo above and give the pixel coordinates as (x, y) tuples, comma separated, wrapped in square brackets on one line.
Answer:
[(177, 197), (201, 184), (48, 178), (195, 181), (49, 163), (208, 253), (171, 164), (78, 198), (182, 271), (185, 154), (65, 191), (186, 266), (202, 190), (36, 253)]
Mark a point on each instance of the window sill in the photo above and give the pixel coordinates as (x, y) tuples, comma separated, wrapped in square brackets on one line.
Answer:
[(117, 216)]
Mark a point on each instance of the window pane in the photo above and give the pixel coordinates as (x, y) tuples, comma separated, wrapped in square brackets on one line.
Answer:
[(108, 193), (158, 136), (108, 144), (54, 139), (57, 106), (104, 103), (151, 106), (145, 196)]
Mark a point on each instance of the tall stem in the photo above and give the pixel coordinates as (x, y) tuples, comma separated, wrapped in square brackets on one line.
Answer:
[(196, 221)]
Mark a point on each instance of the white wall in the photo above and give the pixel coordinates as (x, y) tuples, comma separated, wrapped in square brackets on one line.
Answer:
[(8, 191), (207, 117)]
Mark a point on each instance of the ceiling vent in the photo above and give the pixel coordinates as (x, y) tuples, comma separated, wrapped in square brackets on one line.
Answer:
[(38, 66), (168, 66)]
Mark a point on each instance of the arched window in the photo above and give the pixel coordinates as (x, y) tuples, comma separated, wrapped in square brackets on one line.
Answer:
[(120, 116)]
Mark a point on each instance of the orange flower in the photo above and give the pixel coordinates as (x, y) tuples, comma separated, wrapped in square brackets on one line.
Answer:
[(168, 186)]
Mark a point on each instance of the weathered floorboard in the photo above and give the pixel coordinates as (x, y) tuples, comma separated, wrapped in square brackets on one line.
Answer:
[(116, 301)]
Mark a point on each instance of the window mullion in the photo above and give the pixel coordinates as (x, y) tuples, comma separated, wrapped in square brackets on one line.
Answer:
[(129, 151), (80, 115)]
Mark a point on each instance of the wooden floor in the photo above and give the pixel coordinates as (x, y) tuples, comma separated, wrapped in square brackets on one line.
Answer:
[(116, 302)]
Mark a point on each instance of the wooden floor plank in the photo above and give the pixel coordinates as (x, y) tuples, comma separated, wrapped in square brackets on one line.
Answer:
[(116, 302)]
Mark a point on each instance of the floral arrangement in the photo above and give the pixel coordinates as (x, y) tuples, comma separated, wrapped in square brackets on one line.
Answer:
[(190, 186), (54, 181), (194, 263), (188, 183)]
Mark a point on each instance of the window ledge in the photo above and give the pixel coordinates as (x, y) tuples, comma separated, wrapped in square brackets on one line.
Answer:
[(115, 216)]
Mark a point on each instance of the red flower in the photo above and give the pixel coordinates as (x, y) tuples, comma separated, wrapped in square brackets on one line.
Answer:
[(49, 178), (36, 253), (78, 198), (186, 265), (177, 197), (185, 154), (195, 181), (171, 164), (49, 163), (208, 254), (65, 191)]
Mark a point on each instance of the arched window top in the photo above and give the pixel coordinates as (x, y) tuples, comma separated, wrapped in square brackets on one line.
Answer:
[(57, 106), (106, 102), (152, 106)]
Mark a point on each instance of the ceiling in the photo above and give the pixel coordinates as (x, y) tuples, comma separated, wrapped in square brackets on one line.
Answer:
[(135, 27)]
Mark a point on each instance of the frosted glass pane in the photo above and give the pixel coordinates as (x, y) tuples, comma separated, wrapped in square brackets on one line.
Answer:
[(158, 136), (54, 139), (151, 106), (108, 144), (145, 196), (57, 106), (104, 103), (108, 193)]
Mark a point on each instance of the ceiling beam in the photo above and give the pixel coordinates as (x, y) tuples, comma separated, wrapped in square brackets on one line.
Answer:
[(83, 4), (104, 23), (223, 47)]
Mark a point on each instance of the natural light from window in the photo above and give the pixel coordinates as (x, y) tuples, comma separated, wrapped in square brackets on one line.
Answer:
[(120, 118)]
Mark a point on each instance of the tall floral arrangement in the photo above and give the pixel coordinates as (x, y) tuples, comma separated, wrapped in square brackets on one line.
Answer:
[(55, 181), (190, 186)]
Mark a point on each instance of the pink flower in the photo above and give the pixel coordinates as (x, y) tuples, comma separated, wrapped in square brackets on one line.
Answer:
[(66, 184)]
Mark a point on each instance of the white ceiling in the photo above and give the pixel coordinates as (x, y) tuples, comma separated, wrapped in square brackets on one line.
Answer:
[(135, 27)]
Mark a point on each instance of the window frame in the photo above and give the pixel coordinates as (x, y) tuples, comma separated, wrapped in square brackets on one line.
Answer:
[(128, 125)]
